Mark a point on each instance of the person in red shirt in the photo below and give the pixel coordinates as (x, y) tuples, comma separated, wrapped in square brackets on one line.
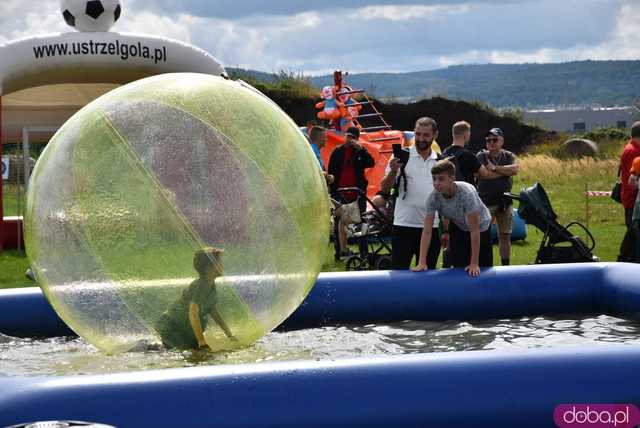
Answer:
[(629, 192), (634, 180), (347, 164)]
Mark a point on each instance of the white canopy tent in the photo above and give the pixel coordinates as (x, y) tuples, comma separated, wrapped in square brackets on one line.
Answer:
[(46, 79)]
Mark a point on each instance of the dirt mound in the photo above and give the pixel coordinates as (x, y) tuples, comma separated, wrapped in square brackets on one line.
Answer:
[(446, 112)]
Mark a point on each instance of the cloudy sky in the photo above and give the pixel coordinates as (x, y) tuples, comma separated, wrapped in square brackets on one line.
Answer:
[(316, 37)]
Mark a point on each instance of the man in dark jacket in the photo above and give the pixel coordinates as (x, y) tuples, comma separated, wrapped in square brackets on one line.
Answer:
[(347, 165)]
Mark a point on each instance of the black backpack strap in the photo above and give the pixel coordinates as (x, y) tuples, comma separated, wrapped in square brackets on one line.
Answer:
[(402, 177)]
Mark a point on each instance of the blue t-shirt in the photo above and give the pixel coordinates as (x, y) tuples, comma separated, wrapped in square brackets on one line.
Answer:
[(316, 150)]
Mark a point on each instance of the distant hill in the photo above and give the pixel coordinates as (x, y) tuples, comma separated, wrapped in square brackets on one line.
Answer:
[(582, 83), (241, 73), (297, 97)]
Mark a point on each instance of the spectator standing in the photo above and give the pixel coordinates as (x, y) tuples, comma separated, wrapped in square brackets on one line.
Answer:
[(317, 140), (414, 185), (628, 192), (469, 221), (467, 164), (504, 163), (347, 165), (634, 180)]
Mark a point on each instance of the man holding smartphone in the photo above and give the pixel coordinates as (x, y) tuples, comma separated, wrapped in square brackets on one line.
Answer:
[(414, 184), (347, 165)]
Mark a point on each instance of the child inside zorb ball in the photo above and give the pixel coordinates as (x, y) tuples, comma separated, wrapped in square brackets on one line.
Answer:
[(202, 164), (182, 325)]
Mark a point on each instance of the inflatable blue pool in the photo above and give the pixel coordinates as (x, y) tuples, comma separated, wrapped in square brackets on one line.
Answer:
[(471, 389)]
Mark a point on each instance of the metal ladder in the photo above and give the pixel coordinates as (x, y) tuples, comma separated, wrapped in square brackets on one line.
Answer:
[(374, 114)]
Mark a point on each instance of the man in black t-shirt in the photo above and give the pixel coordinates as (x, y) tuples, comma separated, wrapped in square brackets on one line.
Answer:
[(467, 164), (467, 167)]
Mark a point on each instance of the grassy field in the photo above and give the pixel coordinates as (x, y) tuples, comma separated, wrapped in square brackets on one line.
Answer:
[(565, 181), (14, 199), (13, 264)]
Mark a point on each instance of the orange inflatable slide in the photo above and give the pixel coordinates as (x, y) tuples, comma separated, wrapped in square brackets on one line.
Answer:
[(343, 111)]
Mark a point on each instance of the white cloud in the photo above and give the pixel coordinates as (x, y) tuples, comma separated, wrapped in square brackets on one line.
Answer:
[(147, 22), (256, 42), (37, 18), (625, 39), (408, 12), (623, 43), (377, 37)]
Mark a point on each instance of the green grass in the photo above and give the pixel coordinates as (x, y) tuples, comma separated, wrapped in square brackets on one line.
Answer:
[(565, 181), (13, 264), (14, 198)]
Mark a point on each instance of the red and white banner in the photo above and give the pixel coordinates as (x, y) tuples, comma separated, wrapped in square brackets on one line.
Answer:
[(606, 193)]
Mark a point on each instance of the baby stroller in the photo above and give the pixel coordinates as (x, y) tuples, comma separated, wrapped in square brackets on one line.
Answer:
[(535, 208), (372, 231)]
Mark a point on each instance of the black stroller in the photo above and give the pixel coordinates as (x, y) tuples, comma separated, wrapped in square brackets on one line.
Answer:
[(535, 208), (372, 233)]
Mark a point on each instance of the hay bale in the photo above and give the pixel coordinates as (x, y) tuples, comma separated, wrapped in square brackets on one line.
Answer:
[(580, 147)]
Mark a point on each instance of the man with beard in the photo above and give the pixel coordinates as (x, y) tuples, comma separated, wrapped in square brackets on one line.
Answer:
[(414, 184)]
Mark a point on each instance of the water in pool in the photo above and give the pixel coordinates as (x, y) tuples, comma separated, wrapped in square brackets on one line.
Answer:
[(73, 356)]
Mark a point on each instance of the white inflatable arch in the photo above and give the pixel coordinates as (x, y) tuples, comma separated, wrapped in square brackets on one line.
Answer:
[(96, 58), (32, 71)]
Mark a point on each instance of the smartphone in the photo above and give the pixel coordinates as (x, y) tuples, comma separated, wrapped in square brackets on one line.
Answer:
[(400, 153)]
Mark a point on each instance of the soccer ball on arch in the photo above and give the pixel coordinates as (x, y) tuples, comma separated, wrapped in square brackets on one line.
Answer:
[(91, 15)]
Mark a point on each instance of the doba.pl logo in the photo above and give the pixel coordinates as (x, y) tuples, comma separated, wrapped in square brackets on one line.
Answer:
[(596, 416)]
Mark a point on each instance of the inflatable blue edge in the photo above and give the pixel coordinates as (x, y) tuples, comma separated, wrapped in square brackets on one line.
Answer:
[(471, 389)]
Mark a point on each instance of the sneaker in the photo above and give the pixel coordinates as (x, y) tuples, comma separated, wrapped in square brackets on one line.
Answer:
[(346, 254)]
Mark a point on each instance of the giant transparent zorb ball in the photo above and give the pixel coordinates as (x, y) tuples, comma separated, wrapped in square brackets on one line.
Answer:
[(138, 181)]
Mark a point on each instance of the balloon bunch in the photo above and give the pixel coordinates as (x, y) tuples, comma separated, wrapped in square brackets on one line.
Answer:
[(337, 105)]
